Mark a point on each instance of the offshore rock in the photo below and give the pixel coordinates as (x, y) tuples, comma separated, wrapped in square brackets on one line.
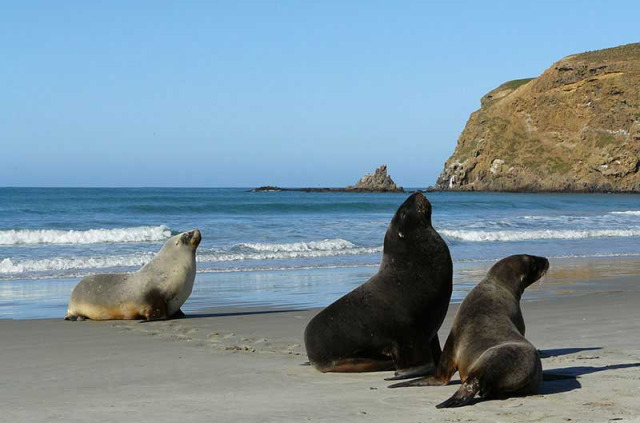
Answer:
[(378, 181)]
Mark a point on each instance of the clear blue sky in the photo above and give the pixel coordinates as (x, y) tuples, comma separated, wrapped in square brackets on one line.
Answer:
[(185, 93)]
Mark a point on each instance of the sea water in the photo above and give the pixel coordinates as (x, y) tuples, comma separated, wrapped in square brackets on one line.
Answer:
[(284, 249)]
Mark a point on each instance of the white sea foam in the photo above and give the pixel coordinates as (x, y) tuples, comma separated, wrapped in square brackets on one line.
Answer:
[(484, 236), (8, 266), (324, 245), (240, 252), (628, 212), (281, 255), (91, 236), (293, 250)]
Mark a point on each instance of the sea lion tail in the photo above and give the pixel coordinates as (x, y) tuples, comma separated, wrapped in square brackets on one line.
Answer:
[(463, 396)]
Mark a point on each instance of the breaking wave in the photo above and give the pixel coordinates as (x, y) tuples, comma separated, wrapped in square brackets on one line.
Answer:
[(628, 212), (506, 236), (91, 236), (239, 252), (8, 266)]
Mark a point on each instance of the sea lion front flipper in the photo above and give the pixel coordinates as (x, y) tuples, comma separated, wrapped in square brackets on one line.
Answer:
[(158, 306), (414, 359), (463, 396), (74, 318), (444, 371)]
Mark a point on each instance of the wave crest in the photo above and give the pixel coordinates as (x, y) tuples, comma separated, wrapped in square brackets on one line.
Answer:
[(240, 252), (7, 266), (506, 236), (324, 245), (91, 236)]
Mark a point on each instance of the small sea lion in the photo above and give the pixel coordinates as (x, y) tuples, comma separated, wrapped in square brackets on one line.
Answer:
[(486, 344), (391, 321), (155, 292)]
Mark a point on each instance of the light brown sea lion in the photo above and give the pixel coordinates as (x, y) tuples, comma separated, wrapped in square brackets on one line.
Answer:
[(155, 292), (486, 344)]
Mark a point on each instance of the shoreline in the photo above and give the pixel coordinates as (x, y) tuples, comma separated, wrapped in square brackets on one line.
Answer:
[(246, 365), (294, 289)]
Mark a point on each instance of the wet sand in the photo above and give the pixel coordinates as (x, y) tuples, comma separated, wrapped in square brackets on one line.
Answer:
[(247, 366)]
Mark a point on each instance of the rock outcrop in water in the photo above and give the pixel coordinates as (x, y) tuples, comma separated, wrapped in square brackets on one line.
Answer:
[(378, 181), (574, 128)]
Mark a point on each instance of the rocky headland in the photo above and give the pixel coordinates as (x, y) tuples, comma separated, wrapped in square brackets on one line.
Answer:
[(379, 181), (575, 128)]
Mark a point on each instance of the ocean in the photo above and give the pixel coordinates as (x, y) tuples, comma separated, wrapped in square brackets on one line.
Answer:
[(280, 249)]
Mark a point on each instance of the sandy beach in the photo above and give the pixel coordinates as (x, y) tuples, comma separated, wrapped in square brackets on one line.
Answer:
[(247, 365)]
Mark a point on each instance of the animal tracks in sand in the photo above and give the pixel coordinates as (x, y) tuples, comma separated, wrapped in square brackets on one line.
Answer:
[(218, 340)]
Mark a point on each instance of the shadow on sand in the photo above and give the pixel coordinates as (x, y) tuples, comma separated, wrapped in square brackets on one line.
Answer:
[(566, 379), (241, 313), (564, 351)]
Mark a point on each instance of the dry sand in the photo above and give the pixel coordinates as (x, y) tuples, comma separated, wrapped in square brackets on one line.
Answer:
[(248, 367)]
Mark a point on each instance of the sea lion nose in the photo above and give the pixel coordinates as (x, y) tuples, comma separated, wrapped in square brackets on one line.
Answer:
[(195, 236)]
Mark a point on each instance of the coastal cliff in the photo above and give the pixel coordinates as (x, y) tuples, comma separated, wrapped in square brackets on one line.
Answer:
[(575, 128)]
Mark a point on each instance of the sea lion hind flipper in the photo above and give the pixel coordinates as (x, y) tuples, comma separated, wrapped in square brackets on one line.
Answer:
[(413, 372), (423, 381), (463, 396), (356, 365)]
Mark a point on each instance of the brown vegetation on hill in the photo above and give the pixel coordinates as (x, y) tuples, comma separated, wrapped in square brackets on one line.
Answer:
[(574, 128)]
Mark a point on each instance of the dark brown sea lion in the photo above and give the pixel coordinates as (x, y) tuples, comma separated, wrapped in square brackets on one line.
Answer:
[(486, 344), (156, 291), (391, 321)]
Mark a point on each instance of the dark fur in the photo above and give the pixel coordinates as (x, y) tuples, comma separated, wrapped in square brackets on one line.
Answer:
[(486, 343), (390, 321)]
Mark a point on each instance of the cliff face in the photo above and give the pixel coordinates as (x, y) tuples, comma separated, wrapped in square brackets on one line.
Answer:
[(574, 128)]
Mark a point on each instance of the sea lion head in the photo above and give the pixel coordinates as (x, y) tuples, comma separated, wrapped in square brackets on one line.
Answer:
[(409, 224), (191, 239), (519, 271)]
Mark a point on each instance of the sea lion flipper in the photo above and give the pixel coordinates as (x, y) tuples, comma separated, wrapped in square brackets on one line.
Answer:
[(414, 358), (356, 365), (412, 372), (158, 306), (463, 396), (423, 381)]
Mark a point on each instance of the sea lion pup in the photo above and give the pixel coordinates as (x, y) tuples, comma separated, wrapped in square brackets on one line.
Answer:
[(155, 292), (390, 321), (486, 343)]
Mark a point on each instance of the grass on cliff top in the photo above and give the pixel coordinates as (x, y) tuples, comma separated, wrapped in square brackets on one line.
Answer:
[(509, 85), (512, 85), (623, 52)]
